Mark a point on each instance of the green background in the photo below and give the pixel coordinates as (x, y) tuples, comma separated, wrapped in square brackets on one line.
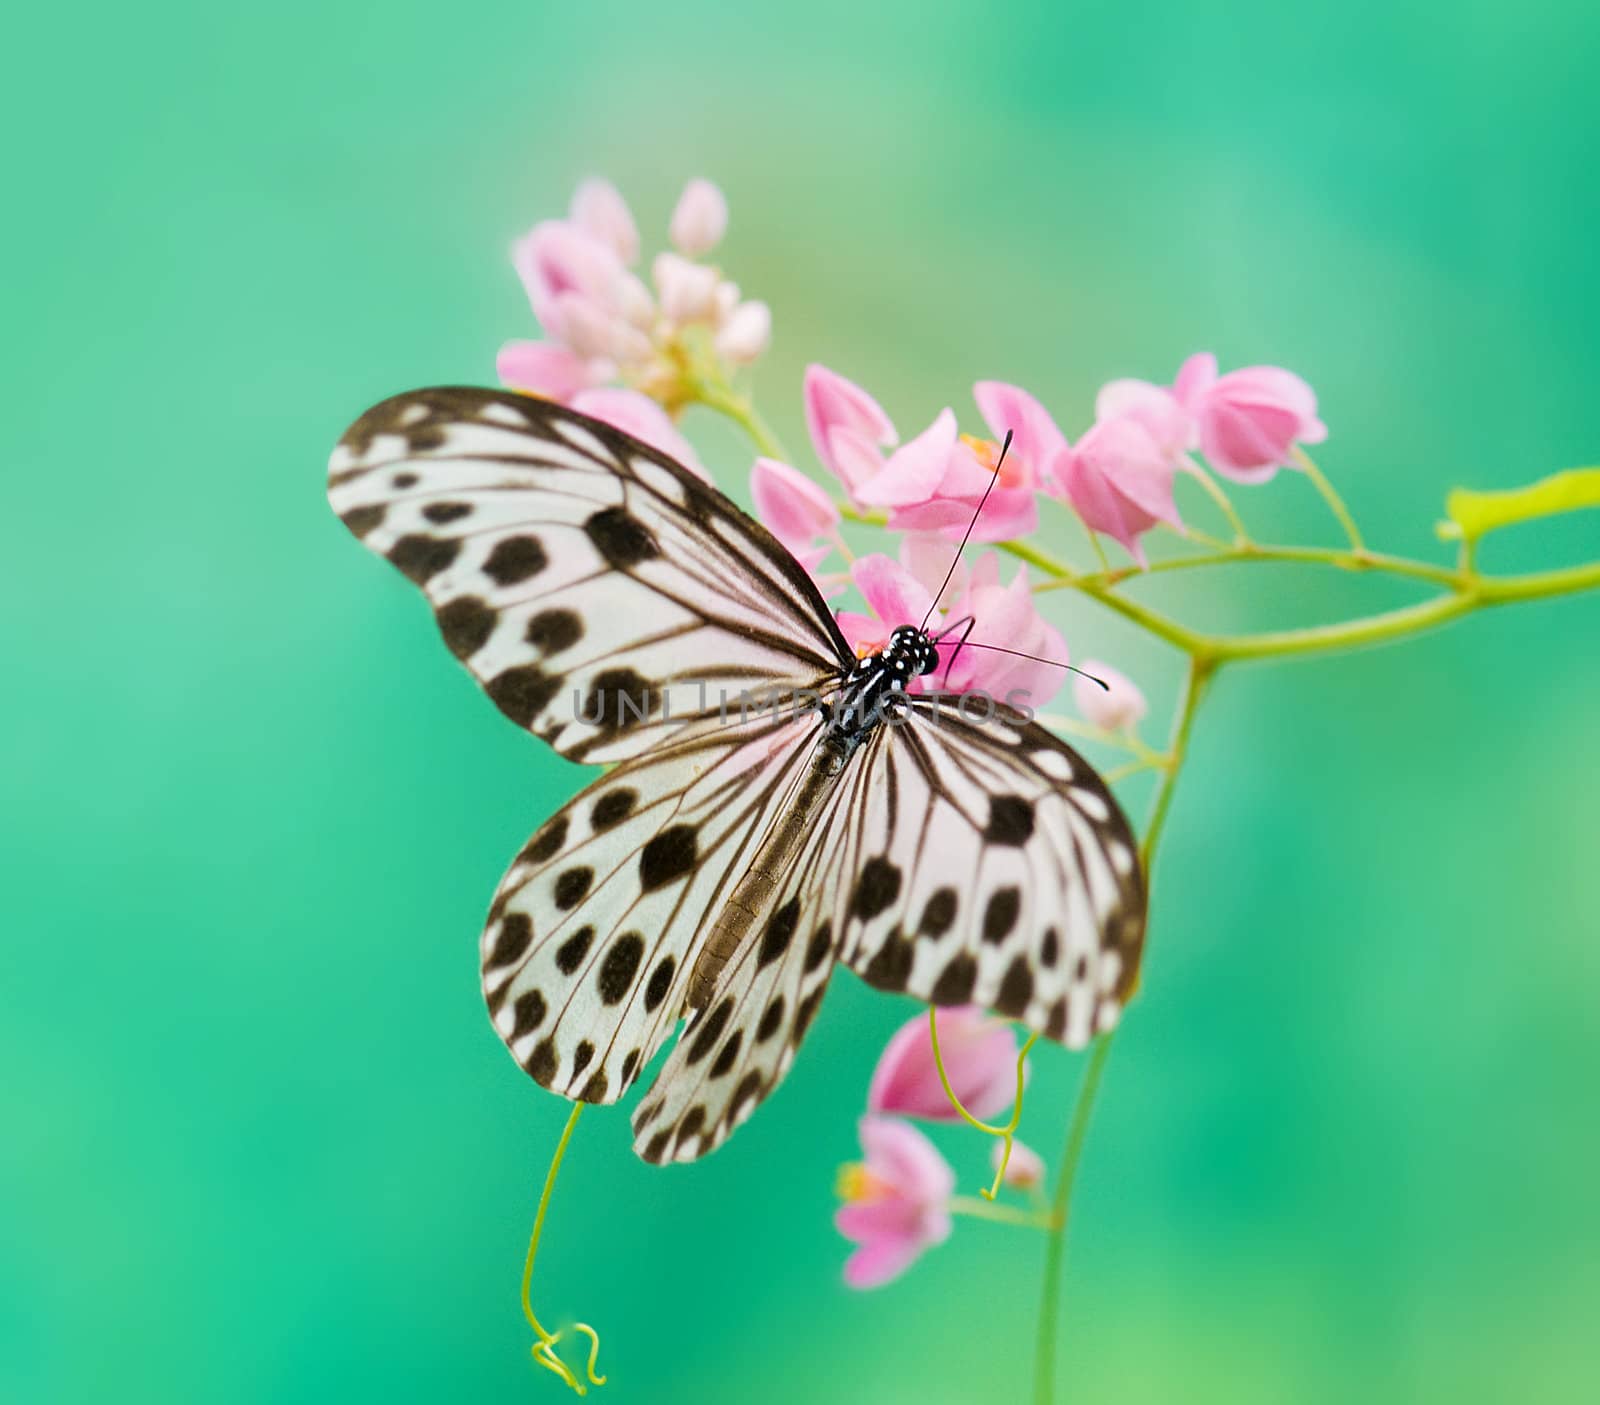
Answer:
[(260, 1143)]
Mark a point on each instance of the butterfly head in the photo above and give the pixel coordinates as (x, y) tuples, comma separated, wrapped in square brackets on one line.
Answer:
[(909, 653)]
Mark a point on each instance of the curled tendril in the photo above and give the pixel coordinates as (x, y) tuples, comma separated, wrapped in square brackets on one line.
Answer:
[(1006, 1133), (544, 1350)]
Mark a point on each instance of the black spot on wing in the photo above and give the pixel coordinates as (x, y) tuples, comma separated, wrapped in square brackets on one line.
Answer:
[(581, 1056), (522, 693), (546, 844), (877, 886), (619, 698), (1000, 916), (939, 913), (361, 520), (613, 807), (466, 624), (620, 966), (527, 1013), (779, 932), (570, 954), (710, 1031), (515, 559), (421, 558), (819, 946), (440, 513), (620, 538), (542, 1062), (660, 982), (667, 857), (514, 937), (594, 1091), (890, 967), (572, 886), (1010, 820), (727, 1054), (1016, 988), (955, 983), (551, 631), (771, 1019)]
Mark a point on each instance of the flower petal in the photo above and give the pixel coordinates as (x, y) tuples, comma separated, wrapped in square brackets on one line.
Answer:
[(700, 219), (542, 368), (914, 471), (1036, 437), (791, 506), (980, 1059), (600, 211), (1114, 707), (839, 407), (892, 593), (635, 413)]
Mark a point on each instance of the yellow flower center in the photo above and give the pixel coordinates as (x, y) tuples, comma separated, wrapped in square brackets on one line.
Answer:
[(856, 1183), (1013, 473)]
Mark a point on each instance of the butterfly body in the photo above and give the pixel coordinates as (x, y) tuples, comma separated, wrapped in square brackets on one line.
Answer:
[(729, 859)]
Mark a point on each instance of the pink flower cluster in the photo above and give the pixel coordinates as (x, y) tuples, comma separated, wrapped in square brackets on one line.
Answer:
[(1118, 477), (897, 1199), (604, 324)]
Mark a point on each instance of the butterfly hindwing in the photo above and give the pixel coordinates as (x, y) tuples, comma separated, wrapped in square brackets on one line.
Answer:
[(604, 596), (738, 1048), (993, 867), (596, 928)]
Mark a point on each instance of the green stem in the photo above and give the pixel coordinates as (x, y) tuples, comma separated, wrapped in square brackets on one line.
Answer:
[(1044, 1368), (1001, 1214), (1194, 687), (1331, 497), (1343, 560), (1195, 683), (717, 395), (1215, 493)]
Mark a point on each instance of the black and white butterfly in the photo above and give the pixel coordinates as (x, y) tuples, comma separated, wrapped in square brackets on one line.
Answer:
[(616, 605)]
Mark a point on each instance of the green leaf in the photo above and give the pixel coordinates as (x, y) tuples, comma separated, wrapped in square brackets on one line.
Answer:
[(1473, 515)]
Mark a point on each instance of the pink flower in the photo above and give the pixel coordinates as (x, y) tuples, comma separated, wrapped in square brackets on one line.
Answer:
[(635, 413), (1119, 480), (1163, 412), (745, 334), (700, 219), (603, 324), (1251, 419), (1003, 616), (849, 429), (935, 482), (1119, 705), (1025, 1169), (600, 211), (797, 511), (980, 1059), (544, 368), (897, 1203)]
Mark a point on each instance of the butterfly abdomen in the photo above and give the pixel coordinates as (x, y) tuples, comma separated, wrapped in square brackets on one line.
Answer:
[(753, 891)]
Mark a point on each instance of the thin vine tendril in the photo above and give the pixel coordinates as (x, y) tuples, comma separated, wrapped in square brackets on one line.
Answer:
[(1008, 1132)]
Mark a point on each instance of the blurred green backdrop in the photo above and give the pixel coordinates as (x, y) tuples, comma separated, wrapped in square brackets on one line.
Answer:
[(260, 1142)]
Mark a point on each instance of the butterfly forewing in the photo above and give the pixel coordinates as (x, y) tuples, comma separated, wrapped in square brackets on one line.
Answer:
[(604, 596)]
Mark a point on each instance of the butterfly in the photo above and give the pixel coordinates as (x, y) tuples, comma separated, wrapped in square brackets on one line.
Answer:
[(736, 849)]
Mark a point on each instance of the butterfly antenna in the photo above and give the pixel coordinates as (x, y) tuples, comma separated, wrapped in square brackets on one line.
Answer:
[(956, 560), (1054, 663)]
